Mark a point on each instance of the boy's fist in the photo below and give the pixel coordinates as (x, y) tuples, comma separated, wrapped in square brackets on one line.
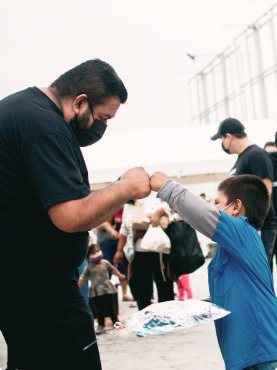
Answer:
[(122, 277), (157, 180)]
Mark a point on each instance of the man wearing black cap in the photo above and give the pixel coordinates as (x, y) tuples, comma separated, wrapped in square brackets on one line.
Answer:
[(251, 160)]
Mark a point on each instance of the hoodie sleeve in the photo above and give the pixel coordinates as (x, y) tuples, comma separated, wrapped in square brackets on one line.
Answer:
[(199, 214)]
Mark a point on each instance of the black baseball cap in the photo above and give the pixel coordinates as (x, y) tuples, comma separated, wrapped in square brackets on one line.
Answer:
[(229, 126)]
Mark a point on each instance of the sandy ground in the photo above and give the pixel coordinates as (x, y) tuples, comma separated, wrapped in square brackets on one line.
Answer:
[(191, 349)]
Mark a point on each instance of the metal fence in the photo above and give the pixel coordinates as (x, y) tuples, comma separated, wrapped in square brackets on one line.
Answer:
[(241, 81)]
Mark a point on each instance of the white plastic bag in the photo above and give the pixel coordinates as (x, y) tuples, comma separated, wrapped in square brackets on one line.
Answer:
[(156, 240), (166, 317), (151, 204)]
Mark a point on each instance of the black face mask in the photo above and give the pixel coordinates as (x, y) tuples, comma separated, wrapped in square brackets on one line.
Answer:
[(91, 135), (225, 150)]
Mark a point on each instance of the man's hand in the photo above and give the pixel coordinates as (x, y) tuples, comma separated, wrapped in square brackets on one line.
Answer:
[(157, 180), (118, 257), (137, 182), (86, 213)]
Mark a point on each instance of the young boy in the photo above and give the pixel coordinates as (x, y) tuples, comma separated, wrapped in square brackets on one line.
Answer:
[(239, 275)]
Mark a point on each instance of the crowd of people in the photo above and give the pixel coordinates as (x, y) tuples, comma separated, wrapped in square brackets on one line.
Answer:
[(46, 201)]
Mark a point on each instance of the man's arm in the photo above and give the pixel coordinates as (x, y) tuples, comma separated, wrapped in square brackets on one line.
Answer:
[(199, 214), (105, 225), (86, 213)]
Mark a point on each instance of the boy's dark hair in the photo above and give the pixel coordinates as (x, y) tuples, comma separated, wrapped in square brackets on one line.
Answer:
[(95, 78), (269, 143), (253, 194), (202, 195), (242, 135), (91, 249)]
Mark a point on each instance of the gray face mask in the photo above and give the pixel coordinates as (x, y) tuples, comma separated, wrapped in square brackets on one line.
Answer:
[(91, 135)]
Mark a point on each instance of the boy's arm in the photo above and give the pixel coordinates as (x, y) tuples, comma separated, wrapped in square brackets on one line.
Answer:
[(229, 232), (199, 214)]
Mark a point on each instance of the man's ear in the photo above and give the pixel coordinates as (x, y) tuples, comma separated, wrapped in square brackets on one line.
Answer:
[(80, 104), (237, 207)]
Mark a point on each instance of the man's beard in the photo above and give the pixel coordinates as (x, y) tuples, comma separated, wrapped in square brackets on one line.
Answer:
[(80, 122)]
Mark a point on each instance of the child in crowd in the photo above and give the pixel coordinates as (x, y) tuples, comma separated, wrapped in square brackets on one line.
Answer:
[(101, 290), (184, 286), (239, 275)]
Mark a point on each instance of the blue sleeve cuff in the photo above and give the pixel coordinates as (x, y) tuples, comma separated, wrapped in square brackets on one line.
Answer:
[(165, 192)]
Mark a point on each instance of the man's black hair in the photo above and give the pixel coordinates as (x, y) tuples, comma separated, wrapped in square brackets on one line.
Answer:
[(241, 135), (253, 194), (269, 143), (95, 78), (92, 248), (202, 195)]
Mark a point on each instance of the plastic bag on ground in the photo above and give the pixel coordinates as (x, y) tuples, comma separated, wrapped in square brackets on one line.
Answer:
[(166, 317)]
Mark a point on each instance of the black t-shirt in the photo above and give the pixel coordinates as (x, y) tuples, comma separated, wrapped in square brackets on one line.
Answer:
[(256, 161), (273, 157), (40, 165)]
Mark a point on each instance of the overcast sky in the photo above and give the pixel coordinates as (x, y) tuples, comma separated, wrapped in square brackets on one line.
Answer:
[(146, 41)]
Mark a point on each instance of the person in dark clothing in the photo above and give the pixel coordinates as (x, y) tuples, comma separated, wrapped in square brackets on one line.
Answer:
[(45, 200), (252, 160), (145, 266), (273, 156), (270, 147)]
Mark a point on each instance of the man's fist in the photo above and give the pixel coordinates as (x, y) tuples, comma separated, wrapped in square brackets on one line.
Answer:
[(137, 183), (157, 181)]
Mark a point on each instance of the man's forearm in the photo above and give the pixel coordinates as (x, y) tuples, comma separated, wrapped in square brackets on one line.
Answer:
[(91, 211), (199, 214)]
